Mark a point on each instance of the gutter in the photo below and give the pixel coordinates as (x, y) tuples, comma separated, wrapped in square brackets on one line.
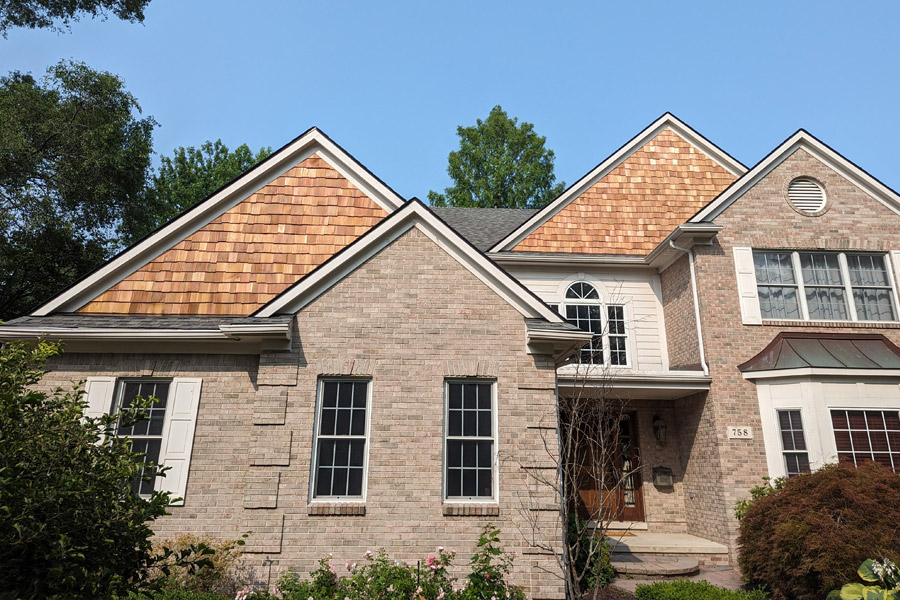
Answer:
[(223, 332), (690, 253)]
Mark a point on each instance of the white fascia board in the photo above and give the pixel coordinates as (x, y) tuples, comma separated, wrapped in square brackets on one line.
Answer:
[(820, 372), (414, 214), (800, 140), (281, 330), (541, 335), (608, 375), (563, 259), (667, 121), (228, 197), (77, 333)]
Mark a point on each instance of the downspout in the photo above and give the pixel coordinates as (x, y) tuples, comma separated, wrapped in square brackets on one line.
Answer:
[(690, 253)]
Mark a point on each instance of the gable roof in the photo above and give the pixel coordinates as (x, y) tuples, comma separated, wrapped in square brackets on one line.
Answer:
[(413, 214), (730, 168), (312, 143), (484, 227), (818, 149)]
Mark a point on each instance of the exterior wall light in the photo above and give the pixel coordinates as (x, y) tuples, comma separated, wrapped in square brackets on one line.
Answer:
[(659, 430)]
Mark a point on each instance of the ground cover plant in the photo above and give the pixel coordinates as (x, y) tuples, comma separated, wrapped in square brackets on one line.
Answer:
[(693, 590), (806, 539)]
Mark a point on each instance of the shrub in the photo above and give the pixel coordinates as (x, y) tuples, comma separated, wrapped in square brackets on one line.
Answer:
[(592, 548), (176, 594), (692, 590), (768, 486), (71, 527), (490, 569), (221, 575), (807, 538)]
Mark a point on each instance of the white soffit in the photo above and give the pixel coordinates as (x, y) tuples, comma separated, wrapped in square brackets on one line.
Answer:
[(819, 150), (667, 121), (413, 214), (130, 260)]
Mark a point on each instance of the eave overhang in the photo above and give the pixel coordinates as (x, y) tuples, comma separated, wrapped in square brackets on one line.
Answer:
[(561, 344), (618, 383)]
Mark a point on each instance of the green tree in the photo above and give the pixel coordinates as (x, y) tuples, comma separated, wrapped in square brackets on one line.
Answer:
[(499, 164), (74, 160), (58, 14), (188, 176), (70, 524)]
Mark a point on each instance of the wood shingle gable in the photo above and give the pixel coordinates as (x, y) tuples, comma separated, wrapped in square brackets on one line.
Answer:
[(635, 206), (253, 252), (236, 250), (633, 199)]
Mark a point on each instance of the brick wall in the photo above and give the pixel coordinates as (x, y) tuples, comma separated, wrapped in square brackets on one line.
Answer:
[(678, 309), (762, 218), (408, 318)]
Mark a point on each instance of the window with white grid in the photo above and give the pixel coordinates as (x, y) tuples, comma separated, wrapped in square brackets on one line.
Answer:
[(469, 440), (861, 435), (341, 437), (824, 286), (146, 434), (583, 308)]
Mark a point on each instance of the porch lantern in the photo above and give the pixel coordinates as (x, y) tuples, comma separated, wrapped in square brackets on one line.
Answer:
[(659, 430)]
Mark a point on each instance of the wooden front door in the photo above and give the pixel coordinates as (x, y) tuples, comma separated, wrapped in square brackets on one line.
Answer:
[(622, 498)]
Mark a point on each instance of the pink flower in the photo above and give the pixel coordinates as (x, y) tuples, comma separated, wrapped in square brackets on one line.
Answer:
[(440, 549), (441, 595), (311, 598), (348, 566), (353, 566), (369, 554)]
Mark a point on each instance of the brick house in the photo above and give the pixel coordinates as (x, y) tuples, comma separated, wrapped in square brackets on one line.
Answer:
[(344, 370)]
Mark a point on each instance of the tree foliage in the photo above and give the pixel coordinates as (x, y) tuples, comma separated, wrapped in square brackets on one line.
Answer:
[(59, 14), (499, 164), (188, 176), (70, 524), (74, 159)]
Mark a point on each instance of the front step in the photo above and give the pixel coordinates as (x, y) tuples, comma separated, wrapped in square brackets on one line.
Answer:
[(624, 563)]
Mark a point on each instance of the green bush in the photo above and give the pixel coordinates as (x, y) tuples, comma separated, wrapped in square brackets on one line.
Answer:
[(692, 590), (71, 525), (806, 539), (176, 594), (221, 575)]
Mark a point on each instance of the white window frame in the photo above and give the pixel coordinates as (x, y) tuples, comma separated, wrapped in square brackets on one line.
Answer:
[(800, 286), (604, 323), (314, 465), (115, 408), (785, 452), (495, 471)]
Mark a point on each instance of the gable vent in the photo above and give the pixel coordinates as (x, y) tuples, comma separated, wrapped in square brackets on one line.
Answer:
[(806, 195)]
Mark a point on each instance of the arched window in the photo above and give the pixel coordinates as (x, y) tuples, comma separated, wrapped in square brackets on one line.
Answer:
[(584, 308)]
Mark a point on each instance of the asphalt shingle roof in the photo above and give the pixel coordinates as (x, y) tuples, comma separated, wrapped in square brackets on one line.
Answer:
[(484, 227)]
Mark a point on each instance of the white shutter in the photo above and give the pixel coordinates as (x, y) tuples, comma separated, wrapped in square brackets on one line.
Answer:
[(178, 435), (98, 391), (746, 283)]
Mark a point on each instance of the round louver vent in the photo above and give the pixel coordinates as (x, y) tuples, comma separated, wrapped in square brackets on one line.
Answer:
[(806, 195)]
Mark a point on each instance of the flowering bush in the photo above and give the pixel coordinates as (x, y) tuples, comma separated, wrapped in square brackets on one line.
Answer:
[(377, 577), (882, 581)]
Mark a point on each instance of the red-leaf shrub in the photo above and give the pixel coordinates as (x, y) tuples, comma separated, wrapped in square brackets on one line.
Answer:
[(808, 538)]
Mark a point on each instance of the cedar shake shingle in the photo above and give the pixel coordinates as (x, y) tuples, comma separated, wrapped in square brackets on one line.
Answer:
[(637, 204), (252, 252)]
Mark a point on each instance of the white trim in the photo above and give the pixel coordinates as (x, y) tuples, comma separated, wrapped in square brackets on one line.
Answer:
[(413, 214), (495, 429), (667, 121), (819, 372), (224, 332), (818, 150), (313, 141), (314, 464)]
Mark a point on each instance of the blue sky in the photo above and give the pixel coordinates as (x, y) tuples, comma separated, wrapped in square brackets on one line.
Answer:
[(390, 81)]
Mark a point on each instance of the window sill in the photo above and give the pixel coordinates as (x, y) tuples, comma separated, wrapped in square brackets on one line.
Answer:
[(336, 509), (472, 509), (833, 324)]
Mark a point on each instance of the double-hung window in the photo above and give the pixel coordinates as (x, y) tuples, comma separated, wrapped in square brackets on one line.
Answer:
[(146, 435), (583, 308), (470, 440), (793, 442), (341, 439), (824, 286)]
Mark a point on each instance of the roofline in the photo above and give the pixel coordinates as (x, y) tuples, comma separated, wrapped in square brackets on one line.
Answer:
[(667, 120), (163, 238), (820, 150), (223, 332), (414, 214), (820, 372)]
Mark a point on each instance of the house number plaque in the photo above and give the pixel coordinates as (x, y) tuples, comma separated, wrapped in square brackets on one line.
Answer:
[(740, 433)]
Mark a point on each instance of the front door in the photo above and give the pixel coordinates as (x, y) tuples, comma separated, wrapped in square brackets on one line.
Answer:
[(621, 492)]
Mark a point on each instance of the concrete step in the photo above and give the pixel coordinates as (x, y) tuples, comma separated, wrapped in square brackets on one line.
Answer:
[(657, 566), (640, 542)]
